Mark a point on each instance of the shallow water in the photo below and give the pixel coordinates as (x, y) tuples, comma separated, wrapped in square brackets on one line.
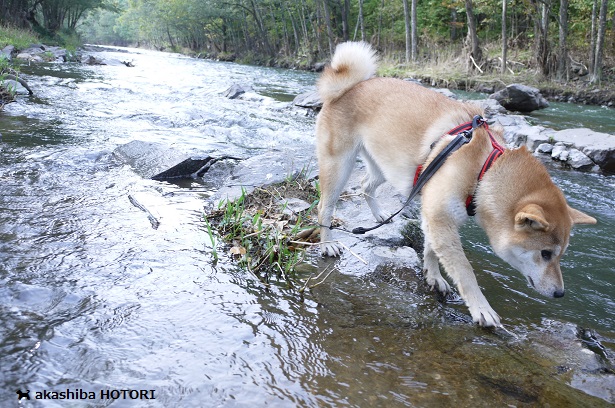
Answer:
[(93, 298)]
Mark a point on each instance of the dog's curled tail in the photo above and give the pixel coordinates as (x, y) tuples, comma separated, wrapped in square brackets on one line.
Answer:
[(352, 63)]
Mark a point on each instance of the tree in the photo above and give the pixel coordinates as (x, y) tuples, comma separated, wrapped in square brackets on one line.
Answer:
[(414, 24), (476, 54), (541, 28), (408, 31), (562, 58), (597, 71), (592, 36), (504, 37), (360, 22)]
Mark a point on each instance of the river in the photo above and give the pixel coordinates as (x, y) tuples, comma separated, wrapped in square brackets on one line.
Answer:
[(94, 300)]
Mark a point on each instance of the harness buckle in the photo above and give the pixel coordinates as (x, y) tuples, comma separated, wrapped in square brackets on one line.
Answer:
[(478, 121)]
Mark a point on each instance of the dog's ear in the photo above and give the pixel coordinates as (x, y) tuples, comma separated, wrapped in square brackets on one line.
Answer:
[(579, 217), (531, 216)]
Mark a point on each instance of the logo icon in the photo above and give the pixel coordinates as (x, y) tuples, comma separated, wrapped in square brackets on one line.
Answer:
[(22, 395)]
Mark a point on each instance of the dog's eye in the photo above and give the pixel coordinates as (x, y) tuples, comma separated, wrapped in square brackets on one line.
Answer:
[(546, 255)]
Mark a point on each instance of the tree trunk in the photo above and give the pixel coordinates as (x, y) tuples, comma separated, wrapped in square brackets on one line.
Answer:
[(408, 31), (504, 38), (562, 60), (345, 6), (293, 24), (329, 28), (476, 54), (414, 25), (597, 74), (361, 20), (170, 38), (542, 52), (592, 36), (261, 28)]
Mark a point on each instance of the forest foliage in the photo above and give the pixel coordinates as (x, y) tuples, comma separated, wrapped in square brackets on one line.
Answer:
[(557, 38)]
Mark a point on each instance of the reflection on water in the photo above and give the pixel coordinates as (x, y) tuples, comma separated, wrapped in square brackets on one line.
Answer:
[(93, 298)]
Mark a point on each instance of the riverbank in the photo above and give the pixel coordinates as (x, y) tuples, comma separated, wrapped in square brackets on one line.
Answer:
[(445, 74), (452, 75)]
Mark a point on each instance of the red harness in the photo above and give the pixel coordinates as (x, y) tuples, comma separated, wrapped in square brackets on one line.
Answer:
[(497, 151)]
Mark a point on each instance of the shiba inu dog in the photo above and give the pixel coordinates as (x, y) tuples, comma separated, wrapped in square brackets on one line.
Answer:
[(397, 126)]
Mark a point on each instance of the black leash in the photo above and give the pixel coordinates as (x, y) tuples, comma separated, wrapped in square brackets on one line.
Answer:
[(460, 140)]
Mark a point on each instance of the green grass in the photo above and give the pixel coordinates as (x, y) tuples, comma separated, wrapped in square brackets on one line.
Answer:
[(257, 232), (19, 38)]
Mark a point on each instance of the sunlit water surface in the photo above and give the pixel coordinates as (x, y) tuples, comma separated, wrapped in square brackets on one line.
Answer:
[(93, 298)]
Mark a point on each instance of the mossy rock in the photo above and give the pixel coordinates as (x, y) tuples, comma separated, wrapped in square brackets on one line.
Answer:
[(413, 235)]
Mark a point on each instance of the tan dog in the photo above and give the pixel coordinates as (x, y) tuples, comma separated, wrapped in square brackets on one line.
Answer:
[(392, 124)]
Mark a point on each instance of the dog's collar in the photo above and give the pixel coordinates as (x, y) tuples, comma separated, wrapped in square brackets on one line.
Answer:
[(468, 128)]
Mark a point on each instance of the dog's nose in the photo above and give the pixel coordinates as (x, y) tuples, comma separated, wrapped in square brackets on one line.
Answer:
[(559, 293)]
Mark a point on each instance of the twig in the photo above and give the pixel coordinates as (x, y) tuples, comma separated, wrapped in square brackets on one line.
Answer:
[(330, 242), (350, 250), (317, 277), (323, 279), (475, 64), (153, 220)]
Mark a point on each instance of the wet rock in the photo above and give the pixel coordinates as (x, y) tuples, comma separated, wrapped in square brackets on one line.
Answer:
[(292, 206), (270, 167), (599, 147), (561, 343), (309, 100), (192, 167), (446, 92), (157, 160), (40, 53), (544, 148), (559, 152), (400, 256), (319, 66), (521, 98), (91, 60), (7, 52), (579, 161), (234, 91), (490, 106), (17, 86), (413, 235), (29, 57), (518, 132)]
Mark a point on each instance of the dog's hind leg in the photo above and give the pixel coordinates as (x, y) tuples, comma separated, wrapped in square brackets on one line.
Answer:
[(370, 183), (334, 172)]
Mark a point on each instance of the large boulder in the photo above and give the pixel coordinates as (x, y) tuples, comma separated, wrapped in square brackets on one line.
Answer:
[(520, 98), (235, 91), (309, 100), (599, 147)]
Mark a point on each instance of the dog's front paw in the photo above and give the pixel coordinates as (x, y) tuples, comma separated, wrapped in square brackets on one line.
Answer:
[(485, 316), (438, 283), (330, 249), (381, 216)]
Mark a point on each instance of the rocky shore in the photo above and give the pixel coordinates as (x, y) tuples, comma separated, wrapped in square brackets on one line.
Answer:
[(580, 149)]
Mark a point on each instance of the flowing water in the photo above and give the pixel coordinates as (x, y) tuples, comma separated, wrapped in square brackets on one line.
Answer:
[(94, 300)]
